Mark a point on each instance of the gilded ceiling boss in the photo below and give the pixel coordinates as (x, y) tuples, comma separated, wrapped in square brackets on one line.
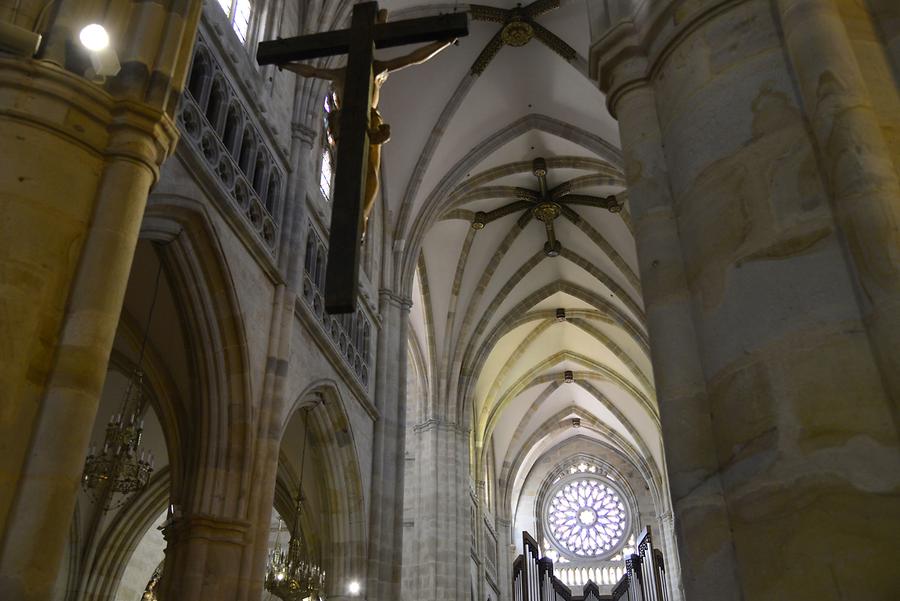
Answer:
[(379, 131)]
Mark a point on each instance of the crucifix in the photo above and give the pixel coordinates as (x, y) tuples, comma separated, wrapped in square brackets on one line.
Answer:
[(358, 97)]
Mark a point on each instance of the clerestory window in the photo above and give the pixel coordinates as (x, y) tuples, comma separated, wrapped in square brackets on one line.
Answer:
[(238, 13)]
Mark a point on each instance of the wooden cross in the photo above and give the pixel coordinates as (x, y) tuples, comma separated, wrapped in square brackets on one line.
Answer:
[(359, 43)]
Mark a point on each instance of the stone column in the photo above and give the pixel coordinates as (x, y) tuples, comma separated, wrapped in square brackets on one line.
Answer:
[(707, 555), (859, 167), (383, 578), (77, 160), (440, 558), (203, 558), (783, 335), (504, 558), (274, 406), (669, 547)]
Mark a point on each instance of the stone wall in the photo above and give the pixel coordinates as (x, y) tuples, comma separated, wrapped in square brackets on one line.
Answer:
[(764, 190)]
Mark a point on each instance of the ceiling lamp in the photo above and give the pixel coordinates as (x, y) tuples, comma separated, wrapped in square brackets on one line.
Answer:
[(122, 468), (292, 575), (94, 37)]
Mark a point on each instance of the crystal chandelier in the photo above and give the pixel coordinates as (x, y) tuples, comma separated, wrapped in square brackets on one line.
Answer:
[(292, 575), (122, 468)]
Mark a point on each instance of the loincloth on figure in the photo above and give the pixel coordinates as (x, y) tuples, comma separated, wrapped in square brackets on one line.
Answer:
[(379, 131)]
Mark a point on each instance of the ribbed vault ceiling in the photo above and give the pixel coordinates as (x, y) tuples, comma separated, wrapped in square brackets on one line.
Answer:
[(484, 324)]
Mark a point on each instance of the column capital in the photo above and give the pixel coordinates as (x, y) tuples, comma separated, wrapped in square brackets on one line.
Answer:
[(626, 54), (618, 61), (207, 527), (437, 423), (306, 135), (387, 295), (84, 113)]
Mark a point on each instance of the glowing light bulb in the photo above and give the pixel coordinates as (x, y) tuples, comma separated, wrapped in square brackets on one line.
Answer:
[(94, 37), (354, 588)]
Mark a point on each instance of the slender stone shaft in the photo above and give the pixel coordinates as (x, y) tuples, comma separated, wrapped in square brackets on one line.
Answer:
[(386, 507), (440, 557)]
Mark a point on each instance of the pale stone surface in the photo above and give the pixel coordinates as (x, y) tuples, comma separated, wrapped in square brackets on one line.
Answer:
[(797, 370), (146, 557), (760, 144)]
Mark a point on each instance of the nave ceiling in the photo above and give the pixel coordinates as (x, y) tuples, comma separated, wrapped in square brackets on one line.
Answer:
[(486, 338)]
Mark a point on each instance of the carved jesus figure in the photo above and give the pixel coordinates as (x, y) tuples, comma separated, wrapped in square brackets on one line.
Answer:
[(379, 131)]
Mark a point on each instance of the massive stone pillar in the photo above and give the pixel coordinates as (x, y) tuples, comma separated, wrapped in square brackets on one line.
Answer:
[(859, 149), (77, 160), (707, 555), (383, 577), (765, 199), (439, 561)]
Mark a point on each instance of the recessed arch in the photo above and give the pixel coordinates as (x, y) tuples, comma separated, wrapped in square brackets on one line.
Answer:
[(332, 436), (205, 292)]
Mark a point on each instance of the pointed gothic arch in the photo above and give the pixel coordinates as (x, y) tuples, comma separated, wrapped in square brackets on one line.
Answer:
[(331, 435), (205, 294)]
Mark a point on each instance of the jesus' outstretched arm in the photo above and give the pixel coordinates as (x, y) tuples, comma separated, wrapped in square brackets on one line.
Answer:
[(310, 71), (416, 57)]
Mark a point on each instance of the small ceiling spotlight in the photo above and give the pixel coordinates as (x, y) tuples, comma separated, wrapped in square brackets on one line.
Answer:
[(354, 588), (104, 60), (94, 37), (576, 422), (560, 315), (568, 376)]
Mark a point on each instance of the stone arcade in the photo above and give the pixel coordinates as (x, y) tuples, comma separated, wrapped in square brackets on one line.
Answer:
[(695, 398)]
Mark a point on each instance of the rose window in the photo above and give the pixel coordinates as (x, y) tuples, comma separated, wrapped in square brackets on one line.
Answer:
[(587, 517)]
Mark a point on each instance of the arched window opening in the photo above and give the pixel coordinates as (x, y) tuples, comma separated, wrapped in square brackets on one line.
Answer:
[(274, 192), (231, 137), (218, 99), (326, 177), (238, 13), (200, 76), (248, 153), (259, 177), (310, 261), (320, 268)]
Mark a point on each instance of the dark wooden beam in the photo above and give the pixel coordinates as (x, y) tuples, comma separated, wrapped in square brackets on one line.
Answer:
[(386, 35), (342, 271), (317, 45)]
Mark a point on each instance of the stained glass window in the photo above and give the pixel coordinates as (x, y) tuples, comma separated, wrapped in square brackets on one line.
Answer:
[(587, 517), (238, 13)]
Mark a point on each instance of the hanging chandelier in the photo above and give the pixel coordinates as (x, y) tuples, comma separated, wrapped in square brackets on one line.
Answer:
[(121, 467), (291, 574)]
